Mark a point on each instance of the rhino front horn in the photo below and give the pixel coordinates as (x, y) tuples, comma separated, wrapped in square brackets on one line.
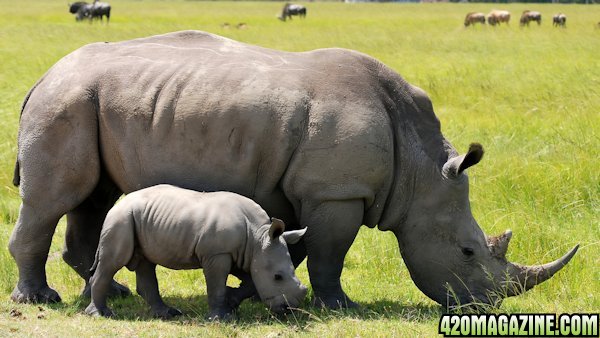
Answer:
[(529, 276)]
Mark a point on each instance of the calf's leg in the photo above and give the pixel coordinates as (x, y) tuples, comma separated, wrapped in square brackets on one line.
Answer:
[(115, 250), (216, 269), (147, 287)]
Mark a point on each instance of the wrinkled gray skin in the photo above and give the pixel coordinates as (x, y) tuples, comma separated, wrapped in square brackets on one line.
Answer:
[(185, 229), (330, 139)]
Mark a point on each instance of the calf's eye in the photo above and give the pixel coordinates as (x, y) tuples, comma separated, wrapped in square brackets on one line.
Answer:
[(278, 277)]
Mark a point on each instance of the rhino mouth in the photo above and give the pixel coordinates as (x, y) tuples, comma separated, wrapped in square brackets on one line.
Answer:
[(477, 299), (477, 303), (282, 304)]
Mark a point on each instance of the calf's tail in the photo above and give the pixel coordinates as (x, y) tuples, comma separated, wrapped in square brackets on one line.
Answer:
[(93, 268)]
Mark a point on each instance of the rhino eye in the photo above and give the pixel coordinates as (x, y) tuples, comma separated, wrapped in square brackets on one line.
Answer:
[(468, 252), (278, 277)]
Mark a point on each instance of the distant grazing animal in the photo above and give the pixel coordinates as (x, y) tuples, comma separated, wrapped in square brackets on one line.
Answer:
[(473, 18), (99, 10), (559, 20), (81, 10), (528, 16), (74, 7), (292, 9), (84, 10), (497, 17), (241, 25)]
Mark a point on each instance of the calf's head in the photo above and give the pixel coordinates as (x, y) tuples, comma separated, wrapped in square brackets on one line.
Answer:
[(272, 269), (447, 254)]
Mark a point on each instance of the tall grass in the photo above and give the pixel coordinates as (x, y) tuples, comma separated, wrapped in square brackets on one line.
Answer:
[(531, 96)]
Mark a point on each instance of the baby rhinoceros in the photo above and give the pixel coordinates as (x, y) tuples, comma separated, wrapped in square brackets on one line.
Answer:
[(184, 229)]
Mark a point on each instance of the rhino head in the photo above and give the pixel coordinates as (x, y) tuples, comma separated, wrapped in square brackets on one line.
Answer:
[(272, 270), (448, 256)]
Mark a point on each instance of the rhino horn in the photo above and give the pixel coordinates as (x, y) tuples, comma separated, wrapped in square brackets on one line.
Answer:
[(526, 277), (499, 244)]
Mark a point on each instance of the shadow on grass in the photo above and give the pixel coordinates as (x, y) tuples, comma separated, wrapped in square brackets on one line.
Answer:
[(251, 313)]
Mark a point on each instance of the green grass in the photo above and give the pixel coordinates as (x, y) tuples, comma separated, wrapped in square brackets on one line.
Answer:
[(530, 96)]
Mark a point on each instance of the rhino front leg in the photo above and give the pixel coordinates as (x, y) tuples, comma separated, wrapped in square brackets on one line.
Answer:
[(147, 287), (332, 228), (216, 269), (84, 224), (235, 296)]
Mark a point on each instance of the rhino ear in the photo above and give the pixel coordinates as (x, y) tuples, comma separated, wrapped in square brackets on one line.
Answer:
[(456, 165), (277, 228), (292, 237)]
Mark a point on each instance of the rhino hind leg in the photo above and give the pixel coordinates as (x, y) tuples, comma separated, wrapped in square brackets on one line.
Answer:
[(30, 255), (58, 170), (84, 224), (147, 287), (332, 228)]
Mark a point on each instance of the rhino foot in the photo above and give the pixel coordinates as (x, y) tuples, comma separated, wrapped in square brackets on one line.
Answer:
[(92, 310), (31, 295), (167, 313), (221, 315), (235, 296), (334, 303), (115, 290)]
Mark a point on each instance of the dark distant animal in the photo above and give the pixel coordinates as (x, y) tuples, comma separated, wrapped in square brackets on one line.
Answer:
[(473, 18), (559, 20), (81, 10), (292, 9), (84, 10), (497, 17), (529, 16), (329, 139), (100, 9), (74, 7)]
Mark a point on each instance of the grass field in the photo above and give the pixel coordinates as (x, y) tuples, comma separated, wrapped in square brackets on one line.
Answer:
[(530, 96)]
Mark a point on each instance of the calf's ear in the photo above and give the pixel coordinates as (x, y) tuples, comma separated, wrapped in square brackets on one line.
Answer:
[(277, 228), (456, 165), (292, 237)]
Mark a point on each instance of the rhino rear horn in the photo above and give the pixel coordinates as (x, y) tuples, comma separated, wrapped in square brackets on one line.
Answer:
[(499, 244), (456, 165), (277, 228)]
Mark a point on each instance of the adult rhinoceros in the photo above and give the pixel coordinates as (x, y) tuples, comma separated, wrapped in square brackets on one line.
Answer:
[(329, 139)]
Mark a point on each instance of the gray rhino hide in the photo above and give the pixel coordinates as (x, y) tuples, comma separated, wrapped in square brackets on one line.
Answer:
[(329, 139)]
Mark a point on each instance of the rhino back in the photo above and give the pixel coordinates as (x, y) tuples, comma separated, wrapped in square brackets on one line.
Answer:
[(207, 113), (176, 227)]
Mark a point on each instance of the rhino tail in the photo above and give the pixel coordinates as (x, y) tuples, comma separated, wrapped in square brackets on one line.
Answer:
[(16, 176), (95, 265)]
